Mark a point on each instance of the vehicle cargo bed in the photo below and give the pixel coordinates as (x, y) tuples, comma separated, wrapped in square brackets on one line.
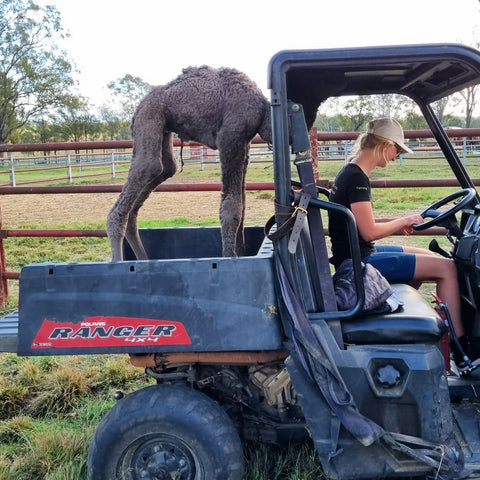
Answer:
[(9, 332), (187, 297)]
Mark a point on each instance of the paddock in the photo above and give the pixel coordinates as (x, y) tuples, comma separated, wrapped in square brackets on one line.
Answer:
[(29, 205)]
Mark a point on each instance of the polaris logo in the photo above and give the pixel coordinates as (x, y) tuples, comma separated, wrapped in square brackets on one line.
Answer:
[(96, 332)]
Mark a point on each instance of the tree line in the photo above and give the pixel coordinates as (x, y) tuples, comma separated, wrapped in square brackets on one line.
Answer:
[(353, 114), (40, 102), (39, 97)]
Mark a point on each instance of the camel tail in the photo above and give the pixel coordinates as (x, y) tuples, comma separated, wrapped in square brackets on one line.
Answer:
[(265, 129)]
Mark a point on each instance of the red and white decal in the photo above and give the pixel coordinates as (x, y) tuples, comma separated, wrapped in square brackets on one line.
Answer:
[(110, 332)]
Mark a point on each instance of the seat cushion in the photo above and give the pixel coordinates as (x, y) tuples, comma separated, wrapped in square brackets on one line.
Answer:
[(415, 322)]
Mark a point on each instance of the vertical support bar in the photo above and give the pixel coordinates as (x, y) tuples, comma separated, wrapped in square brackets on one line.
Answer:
[(13, 182), (201, 157), (69, 168), (321, 276), (112, 167), (3, 267), (464, 158)]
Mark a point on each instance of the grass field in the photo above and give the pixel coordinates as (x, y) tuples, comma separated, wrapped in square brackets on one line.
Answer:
[(50, 406)]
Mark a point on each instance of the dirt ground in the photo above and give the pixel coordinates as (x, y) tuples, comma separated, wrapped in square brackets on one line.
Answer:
[(50, 210)]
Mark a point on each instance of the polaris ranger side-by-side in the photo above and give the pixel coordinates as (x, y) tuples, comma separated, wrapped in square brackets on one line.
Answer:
[(254, 347)]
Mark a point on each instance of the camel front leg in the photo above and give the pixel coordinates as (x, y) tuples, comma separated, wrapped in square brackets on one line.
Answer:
[(122, 218), (117, 221), (131, 233), (156, 176)]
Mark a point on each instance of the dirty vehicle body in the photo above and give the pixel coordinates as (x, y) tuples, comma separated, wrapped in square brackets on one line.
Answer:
[(254, 347)]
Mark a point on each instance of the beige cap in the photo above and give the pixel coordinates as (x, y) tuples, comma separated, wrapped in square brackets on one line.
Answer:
[(389, 129)]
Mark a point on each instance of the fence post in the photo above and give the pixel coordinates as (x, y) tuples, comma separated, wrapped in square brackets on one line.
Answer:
[(69, 168), (3, 268), (12, 170), (464, 158), (112, 167)]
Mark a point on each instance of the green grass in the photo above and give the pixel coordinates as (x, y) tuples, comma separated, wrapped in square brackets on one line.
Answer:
[(50, 406), (290, 462)]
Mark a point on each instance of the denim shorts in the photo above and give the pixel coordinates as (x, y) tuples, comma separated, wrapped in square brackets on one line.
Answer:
[(393, 263)]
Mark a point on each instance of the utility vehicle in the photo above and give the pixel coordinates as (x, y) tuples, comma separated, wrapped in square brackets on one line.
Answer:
[(254, 347)]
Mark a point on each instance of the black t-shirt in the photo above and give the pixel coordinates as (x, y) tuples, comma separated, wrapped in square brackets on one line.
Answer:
[(351, 185)]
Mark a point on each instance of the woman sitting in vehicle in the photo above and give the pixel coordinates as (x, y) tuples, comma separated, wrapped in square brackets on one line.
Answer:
[(377, 147)]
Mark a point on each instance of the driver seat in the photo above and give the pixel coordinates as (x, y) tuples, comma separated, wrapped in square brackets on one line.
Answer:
[(415, 322)]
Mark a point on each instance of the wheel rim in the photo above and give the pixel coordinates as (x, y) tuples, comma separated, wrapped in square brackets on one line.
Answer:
[(158, 458)]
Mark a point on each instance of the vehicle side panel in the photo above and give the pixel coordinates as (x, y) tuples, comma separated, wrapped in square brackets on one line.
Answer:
[(201, 305)]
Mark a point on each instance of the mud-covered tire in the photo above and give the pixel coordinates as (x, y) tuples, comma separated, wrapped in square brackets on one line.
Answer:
[(164, 432)]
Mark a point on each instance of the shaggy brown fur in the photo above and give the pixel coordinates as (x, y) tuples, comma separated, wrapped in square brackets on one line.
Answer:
[(220, 108)]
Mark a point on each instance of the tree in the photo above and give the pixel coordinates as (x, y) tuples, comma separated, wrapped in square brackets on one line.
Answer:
[(391, 105), (113, 127), (357, 112), (469, 96), (326, 123), (39, 131), (414, 121), (75, 121), (127, 92), (34, 73), (439, 108)]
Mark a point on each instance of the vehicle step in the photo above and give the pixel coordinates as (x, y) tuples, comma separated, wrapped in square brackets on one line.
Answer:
[(9, 332)]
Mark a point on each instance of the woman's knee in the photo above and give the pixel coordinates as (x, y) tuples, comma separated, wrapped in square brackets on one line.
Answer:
[(435, 267)]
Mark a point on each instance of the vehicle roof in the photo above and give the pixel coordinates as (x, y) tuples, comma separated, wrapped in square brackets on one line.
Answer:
[(425, 72)]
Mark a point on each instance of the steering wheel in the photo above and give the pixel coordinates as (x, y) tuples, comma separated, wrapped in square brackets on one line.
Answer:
[(437, 217)]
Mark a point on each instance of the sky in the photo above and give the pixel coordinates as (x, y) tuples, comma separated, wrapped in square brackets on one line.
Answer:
[(155, 39)]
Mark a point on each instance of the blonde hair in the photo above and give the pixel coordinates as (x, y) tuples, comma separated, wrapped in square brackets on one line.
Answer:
[(368, 141)]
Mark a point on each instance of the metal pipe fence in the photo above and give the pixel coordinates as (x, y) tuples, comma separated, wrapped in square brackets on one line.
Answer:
[(110, 163), (118, 153), (81, 160)]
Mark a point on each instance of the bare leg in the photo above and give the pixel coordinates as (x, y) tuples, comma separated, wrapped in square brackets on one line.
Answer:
[(418, 250), (444, 272), (416, 283)]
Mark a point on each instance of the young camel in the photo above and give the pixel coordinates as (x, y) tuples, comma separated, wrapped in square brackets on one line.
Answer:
[(220, 108)]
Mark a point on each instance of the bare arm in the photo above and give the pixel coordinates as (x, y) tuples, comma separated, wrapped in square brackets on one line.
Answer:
[(371, 230)]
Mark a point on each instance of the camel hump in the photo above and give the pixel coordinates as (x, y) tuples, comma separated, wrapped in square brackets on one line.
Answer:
[(231, 84), (203, 101)]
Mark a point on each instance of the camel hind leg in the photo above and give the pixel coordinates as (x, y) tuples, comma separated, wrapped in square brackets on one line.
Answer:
[(152, 163), (234, 158)]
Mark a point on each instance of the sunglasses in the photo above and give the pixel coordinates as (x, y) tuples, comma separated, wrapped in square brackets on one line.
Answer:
[(398, 149)]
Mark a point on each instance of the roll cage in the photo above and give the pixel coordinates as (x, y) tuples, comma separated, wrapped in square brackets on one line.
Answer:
[(424, 73)]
